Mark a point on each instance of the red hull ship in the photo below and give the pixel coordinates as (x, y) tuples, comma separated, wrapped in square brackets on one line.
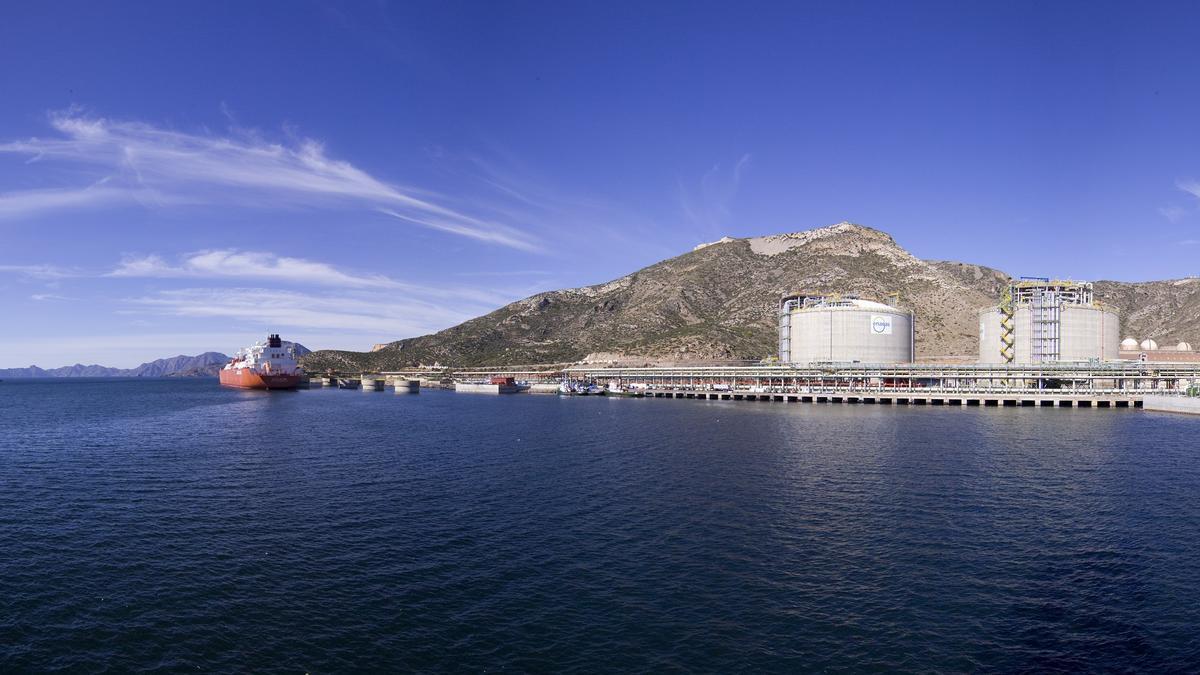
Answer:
[(269, 365), (248, 380)]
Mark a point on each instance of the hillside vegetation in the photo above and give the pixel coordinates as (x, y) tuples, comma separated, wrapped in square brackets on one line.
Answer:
[(719, 302)]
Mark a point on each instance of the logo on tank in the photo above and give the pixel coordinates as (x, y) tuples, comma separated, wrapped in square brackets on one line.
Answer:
[(881, 325)]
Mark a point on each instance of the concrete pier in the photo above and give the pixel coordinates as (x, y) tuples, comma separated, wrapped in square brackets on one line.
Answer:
[(1107, 385), (1054, 385), (406, 386), (1189, 405), (960, 399), (372, 382), (475, 388)]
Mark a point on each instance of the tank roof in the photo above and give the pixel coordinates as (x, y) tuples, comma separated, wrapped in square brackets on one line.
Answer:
[(827, 303)]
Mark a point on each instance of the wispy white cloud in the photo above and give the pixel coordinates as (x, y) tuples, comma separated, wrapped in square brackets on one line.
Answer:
[(42, 297), (513, 191), (249, 265), (1189, 186), (506, 273), (1173, 213), (491, 233), (395, 315), (710, 204), (139, 161), (17, 204), (221, 265), (41, 272)]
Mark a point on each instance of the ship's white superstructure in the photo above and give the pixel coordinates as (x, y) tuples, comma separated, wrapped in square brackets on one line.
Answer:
[(265, 365)]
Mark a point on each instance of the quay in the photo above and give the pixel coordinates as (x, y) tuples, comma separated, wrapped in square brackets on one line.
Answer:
[(1080, 385), (1122, 384), (1188, 405), (933, 398)]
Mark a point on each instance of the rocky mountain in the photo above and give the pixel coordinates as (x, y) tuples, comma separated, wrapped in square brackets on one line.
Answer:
[(202, 365), (719, 302), (206, 364), (1168, 311)]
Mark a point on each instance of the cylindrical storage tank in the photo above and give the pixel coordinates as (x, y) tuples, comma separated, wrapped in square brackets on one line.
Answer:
[(990, 344), (1090, 332), (990, 332), (1085, 332), (849, 331)]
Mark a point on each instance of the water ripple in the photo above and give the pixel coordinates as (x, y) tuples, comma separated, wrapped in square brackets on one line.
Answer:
[(172, 525)]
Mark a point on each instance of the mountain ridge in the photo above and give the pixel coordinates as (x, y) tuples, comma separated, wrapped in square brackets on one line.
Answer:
[(718, 301), (200, 365), (157, 368)]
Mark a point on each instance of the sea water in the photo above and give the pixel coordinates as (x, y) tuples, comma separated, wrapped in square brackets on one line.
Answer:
[(163, 525)]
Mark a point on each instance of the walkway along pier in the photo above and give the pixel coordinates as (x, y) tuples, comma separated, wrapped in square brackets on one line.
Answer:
[(1122, 384), (1101, 385)]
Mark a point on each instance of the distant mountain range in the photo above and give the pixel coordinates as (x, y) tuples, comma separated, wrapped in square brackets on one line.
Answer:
[(206, 364), (720, 300), (202, 365)]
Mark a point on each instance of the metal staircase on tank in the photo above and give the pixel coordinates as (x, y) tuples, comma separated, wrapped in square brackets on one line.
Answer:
[(785, 327), (1007, 312), (1045, 326)]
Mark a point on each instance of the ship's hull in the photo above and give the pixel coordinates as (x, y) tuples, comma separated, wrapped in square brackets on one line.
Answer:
[(244, 378)]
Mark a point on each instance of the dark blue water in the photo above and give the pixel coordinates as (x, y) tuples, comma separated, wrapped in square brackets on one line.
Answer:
[(171, 525)]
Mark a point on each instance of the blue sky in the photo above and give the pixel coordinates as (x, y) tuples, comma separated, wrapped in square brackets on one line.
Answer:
[(180, 177)]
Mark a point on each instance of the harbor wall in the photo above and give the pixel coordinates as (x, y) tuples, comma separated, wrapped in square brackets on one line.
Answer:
[(1177, 404), (472, 388)]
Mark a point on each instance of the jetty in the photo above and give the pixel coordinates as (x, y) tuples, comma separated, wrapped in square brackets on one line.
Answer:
[(1188, 405), (1098, 385), (1122, 384)]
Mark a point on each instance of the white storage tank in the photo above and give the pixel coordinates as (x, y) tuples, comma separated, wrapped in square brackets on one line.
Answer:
[(1042, 321), (818, 329)]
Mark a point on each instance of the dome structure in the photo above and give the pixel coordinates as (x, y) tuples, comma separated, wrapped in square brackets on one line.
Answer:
[(1129, 344), (1149, 344), (1183, 347)]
